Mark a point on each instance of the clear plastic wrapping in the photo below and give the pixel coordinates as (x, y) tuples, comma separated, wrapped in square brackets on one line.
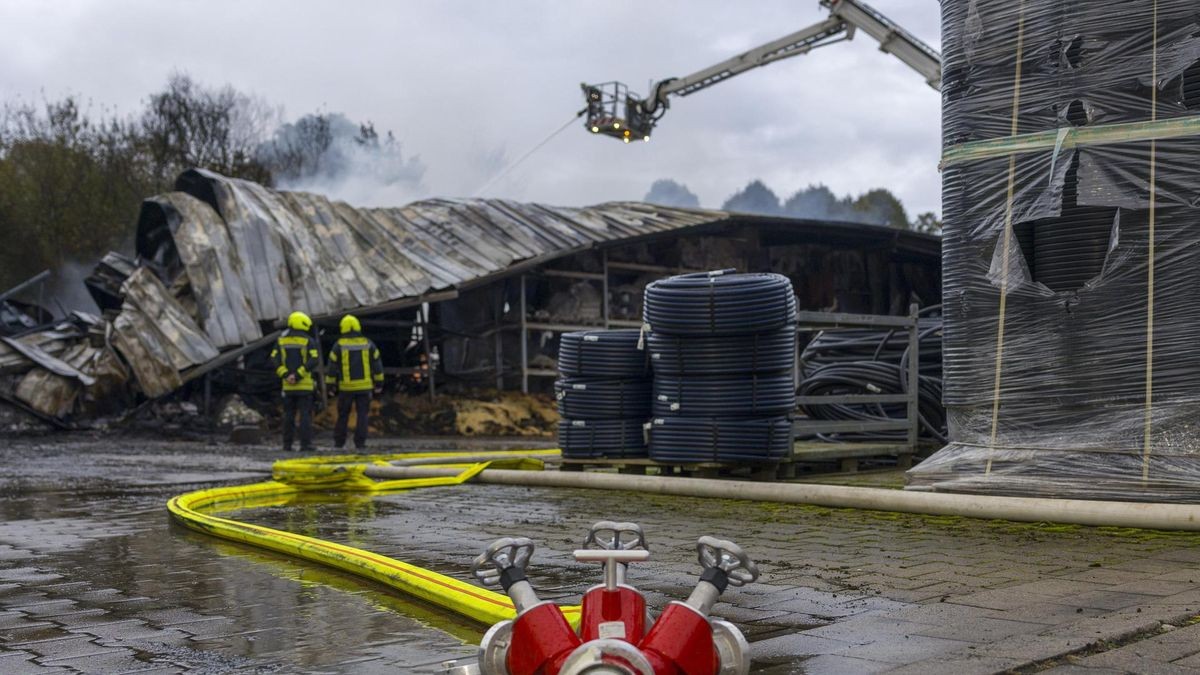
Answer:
[(1071, 188)]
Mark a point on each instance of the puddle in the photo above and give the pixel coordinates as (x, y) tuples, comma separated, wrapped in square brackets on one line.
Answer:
[(114, 564)]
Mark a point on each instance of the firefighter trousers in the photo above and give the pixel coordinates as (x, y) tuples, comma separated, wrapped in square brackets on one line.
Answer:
[(298, 403), (361, 402)]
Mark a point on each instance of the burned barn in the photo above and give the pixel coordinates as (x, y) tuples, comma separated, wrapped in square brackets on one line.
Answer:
[(459, 294), (833, 266)]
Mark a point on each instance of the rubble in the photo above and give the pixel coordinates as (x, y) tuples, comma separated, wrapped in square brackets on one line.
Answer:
[(49, 362), (57, 396), (233, 412), (505, 414), (467, 413), (105, 281), (53, 341)]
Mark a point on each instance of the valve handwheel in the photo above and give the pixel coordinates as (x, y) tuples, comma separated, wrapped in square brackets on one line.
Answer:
[(727, 557), (608, 535), (504, 554)]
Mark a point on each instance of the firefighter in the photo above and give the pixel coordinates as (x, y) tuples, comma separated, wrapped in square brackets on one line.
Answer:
[(355, 371), (295, 357)]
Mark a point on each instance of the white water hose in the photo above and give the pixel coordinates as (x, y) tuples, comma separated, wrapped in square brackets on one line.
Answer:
[(1153, 516)]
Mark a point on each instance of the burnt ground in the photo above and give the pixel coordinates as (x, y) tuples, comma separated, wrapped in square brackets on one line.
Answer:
[(95, 578)]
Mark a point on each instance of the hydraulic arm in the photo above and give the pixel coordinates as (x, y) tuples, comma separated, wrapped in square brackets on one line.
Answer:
[(615, 111)]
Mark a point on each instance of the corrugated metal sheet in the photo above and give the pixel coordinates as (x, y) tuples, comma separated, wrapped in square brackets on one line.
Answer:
[(47, 361), (147, 355), (253, 254), (157, 337), (168, 323), (189, 232), (56, 396), (53, 342)]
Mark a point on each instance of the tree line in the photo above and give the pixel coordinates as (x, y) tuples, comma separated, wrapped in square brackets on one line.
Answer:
[(876, 207), (72, 178)]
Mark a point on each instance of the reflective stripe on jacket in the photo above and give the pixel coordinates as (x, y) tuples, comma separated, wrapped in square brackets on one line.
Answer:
[(296, 354), (354, 364)]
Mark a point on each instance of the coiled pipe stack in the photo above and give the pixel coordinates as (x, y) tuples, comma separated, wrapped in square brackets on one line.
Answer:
[(875, 362), (603, 394), (723, 348)]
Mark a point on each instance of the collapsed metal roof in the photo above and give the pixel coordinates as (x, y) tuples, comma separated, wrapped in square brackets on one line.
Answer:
[(252, 254)]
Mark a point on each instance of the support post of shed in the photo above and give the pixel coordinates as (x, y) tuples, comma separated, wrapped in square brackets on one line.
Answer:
[(524, 342), (428, 350), (604, 290), (322, 386), (208, 395), (796, 360), (914, 380), (499, 337)]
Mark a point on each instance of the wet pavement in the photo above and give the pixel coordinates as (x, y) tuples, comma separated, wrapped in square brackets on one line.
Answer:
[(94, 577)]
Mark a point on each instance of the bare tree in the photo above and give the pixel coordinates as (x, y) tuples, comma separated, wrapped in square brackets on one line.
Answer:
[(296, 149), (188, 125), (329, 153)]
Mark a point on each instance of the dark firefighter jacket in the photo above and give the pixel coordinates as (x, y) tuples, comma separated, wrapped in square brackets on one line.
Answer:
[(354, 364), (296, 352)]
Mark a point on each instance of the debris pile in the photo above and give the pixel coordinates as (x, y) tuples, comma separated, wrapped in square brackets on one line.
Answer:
[(475, 413), (234, 412)]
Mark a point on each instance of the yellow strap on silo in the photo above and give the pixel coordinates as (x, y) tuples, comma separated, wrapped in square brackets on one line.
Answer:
[(1007, 241), (1149, 415)]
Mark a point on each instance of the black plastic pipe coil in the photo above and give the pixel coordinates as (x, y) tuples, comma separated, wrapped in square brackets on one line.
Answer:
[(707, 439), (603, 392), (598, 399), (724, 395), (723, 347), (719, 303), (866, 344), (875, 364), (602, 353), (590, 439), (770, 352)]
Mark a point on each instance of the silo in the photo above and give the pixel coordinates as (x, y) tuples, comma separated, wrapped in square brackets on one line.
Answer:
[(1071, 253)]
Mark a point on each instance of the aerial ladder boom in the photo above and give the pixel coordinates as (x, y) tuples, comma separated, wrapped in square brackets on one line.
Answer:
[(613, 110)]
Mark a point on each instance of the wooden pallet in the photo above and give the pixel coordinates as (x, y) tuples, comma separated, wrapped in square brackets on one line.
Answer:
[(642, 467), (848, 455)]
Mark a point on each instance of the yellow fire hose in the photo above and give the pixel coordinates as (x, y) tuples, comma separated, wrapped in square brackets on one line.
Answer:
[(345, 473)]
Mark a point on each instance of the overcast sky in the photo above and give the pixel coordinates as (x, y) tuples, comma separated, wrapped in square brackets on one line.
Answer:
[(463, 84)]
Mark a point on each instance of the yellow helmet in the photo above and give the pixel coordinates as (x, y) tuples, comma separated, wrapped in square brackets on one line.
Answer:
[(350, 325), (299, 321)]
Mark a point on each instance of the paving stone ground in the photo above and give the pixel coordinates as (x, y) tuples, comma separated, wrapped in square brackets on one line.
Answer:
[(94, 578)]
